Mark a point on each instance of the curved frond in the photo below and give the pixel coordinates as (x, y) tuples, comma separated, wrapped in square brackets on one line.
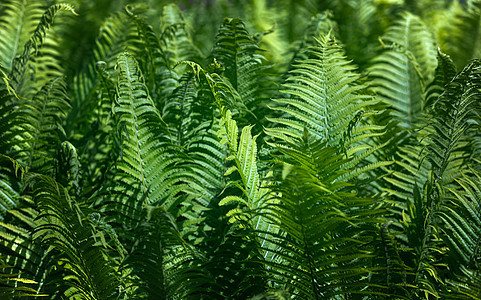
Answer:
[(29, 59), (17, 23), (326, 236), (321, 94), (63, 227), (157, 256), (36, 125), (115, 36), (242, 63), (401, 73)]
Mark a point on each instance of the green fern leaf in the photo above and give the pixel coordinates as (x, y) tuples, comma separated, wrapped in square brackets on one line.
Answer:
[(240, 58), (401, 74), (21, 63), (321, 95), (115, 36), (320, 236), (62, 227), (157, 253), (18, 23), (244, 152)]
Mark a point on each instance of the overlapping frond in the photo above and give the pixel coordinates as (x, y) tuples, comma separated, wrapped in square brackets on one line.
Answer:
[(64, 227), (156, 255), (45, 66), (115, 35), (444, 73), (18, 22), (244, 152), (460, 35), (24, 259), (324, 243), (401, 73), (160, 174), (148, 168), (320, 24), (321, 94), (435, 187), (242, 62)]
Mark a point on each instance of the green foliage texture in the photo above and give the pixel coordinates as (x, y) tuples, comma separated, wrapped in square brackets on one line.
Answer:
[(228, 149)]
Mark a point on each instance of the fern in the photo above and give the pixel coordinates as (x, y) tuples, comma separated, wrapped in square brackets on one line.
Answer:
[(401, 73), (156, 270), (463, 29), (322, 96), (324, 250), (19, 20), (115, 35), (240, 57), (231, 150), (21, 63), (62, 228)]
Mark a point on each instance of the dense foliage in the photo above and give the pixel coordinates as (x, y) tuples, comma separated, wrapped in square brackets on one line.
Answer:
[(228, 149)]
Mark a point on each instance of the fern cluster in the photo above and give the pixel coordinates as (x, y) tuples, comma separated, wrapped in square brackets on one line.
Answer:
[(240, 149)]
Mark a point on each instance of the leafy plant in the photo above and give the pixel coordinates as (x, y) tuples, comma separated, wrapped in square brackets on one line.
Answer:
[(240, 150)]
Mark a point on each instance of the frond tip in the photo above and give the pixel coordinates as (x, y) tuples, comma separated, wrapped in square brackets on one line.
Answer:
[(321, 94)]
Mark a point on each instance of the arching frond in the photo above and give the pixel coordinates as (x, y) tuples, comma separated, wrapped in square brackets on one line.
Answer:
[(22, 64), (466, 287), (400, 74), (65, 228), (176, 36), (35, 127), (18, 22), (459, 35), (444, 73), (320, 24), (27, 264), (438, 204), (323, 246), (241, 60), (9, 190), (147, 159), (452, 118), (157, 256), (161, 78), (321, 95), (115, 35)]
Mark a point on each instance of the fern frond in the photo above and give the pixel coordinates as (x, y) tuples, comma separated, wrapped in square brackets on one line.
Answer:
[(146, 157), (43, 63), (25, 258), (18, 22), (9, 189), (176, 36), (320, 24), (35, 127), (323, 246), (452, 117), (401, 73), (68, 171), (435, 218), (465, 287), (26, 262), (242, 62), (158, 252), (9, 288), (244, 152), (444, 73), (115, 35), (459, 36), (321, 95), (64, 228), (161, 79), (89, 124)]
